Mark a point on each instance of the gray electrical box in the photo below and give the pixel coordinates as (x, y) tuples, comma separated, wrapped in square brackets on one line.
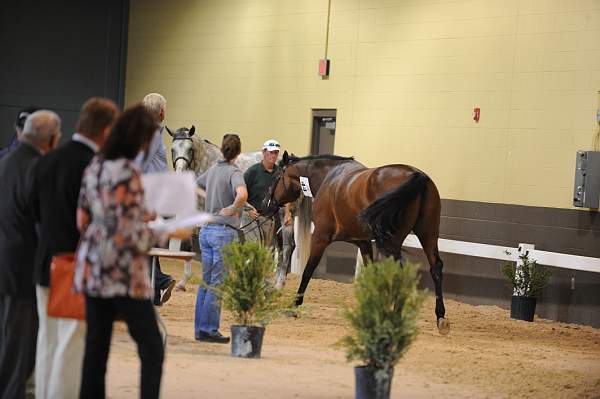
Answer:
[(587, 179)]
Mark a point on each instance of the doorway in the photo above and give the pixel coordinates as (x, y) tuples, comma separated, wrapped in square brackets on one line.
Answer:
[(323, 131)]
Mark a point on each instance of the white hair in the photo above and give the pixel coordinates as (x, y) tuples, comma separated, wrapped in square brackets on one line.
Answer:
[(40, 126), (155, 103)]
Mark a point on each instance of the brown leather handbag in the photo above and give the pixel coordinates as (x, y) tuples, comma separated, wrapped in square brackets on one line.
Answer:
[(63, 301)]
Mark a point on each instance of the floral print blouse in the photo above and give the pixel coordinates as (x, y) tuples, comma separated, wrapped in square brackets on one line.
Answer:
[(111, 256)]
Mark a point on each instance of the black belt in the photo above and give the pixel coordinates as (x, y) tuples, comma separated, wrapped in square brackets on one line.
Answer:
[(240, 232)]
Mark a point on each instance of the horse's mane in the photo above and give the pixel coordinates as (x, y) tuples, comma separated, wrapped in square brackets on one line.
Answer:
[(326, 157)]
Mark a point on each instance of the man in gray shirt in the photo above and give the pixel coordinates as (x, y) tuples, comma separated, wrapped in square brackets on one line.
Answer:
[(156, 160)]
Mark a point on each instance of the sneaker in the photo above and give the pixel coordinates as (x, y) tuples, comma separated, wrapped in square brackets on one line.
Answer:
[(167, 292), (214, 336)]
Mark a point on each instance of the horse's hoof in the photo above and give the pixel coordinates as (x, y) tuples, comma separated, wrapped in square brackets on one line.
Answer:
[(279, 283), (443, 326)]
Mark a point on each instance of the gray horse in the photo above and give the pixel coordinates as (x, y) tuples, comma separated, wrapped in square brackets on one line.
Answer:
[(191, 152)]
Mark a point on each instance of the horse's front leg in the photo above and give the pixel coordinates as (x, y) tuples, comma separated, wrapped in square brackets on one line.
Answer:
[(366, 250), (317, 247), (286, 248)]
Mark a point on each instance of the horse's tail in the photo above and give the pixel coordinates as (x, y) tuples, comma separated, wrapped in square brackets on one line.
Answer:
[(304, 214), (382, 216)]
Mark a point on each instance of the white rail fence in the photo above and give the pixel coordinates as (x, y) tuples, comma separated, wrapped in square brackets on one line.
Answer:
[(554, 259)]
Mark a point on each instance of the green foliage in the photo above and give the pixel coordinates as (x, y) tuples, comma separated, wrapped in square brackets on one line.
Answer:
[(195, 280), (246, 290), (530, 278), (383, 319)]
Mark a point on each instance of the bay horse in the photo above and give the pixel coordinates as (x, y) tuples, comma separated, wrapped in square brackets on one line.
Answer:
[(191, 152), (356, 204)]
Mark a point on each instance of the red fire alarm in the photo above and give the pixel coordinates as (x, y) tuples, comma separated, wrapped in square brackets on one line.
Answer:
[(324, 67), (476, 112)]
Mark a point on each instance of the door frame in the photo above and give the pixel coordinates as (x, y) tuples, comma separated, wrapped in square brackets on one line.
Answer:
[(318, 114)]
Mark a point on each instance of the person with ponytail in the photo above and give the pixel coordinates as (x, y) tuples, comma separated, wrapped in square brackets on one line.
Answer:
[(112, 255), (225, 191)]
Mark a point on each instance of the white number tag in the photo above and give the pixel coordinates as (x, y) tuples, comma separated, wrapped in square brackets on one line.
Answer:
[(305, 185)]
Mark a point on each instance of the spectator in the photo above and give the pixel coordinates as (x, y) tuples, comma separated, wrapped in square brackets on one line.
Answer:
[(57, 179), (112, 265), (18, 241), (225, 192), (21, 116), (156, 162)]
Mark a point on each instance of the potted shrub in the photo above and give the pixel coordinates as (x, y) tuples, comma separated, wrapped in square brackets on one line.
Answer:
[(383, 323), (526, 281), (247, 293)]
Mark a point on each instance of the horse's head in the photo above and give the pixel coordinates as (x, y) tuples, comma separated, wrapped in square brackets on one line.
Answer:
[(183, 150), (286, 185)]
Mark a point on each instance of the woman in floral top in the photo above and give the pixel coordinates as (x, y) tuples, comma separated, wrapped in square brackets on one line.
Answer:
[(112, 265)]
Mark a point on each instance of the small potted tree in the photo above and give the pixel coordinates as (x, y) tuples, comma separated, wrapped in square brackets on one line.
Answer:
[(383, 323), (526, 280), (246, 291)]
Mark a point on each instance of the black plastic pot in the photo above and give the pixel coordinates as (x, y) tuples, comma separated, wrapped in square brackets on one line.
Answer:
[(367, 386), (522, 308), (246, 341)]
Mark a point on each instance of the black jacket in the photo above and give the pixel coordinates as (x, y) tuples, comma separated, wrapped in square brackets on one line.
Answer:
[(18, 237), (57, 179)]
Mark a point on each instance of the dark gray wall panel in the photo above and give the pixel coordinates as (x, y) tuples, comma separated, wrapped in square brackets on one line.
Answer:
[(572, 296), (57, 54)]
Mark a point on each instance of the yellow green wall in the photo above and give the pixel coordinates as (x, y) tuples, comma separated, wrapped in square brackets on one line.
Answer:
[(405, 78)]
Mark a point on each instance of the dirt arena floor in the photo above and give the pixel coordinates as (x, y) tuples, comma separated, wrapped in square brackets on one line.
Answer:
[(486, 355)]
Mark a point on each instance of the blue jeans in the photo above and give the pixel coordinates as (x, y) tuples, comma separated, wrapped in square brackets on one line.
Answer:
[(213, 237)]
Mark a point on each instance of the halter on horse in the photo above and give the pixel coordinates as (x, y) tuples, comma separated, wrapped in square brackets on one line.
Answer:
[(355, 204), (182, 149)]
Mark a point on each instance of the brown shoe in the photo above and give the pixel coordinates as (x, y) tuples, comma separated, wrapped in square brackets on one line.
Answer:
[(215, 337)]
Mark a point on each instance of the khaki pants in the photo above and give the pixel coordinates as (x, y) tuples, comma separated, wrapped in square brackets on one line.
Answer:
[(59, 357), (262, 234)]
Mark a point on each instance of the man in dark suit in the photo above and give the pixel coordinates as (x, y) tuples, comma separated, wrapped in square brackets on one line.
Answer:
[(18, 317), (57, 180)]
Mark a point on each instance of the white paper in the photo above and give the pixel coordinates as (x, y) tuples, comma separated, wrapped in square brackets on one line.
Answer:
[(305, 185), (170, 193), (162, 225)]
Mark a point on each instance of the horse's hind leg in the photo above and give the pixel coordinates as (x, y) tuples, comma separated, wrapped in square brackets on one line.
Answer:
[(317, 247), (429, 242)]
